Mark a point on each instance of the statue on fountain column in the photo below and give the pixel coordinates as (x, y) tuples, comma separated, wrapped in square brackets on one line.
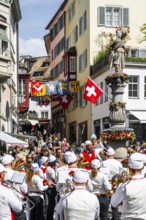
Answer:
[(118, 48)]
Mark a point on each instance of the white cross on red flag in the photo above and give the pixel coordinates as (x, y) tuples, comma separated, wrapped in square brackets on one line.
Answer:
[(92, 91), (65, 100)]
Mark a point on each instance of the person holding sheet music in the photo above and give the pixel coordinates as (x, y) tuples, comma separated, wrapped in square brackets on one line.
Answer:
[(9, 203)]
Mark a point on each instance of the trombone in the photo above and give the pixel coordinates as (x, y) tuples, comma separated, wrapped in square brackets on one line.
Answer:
[(10, 183)]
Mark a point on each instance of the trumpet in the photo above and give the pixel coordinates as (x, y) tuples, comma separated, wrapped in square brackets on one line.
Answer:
[(9, 183)]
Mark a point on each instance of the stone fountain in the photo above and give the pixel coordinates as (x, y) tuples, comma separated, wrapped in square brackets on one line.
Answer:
[(118, 135)]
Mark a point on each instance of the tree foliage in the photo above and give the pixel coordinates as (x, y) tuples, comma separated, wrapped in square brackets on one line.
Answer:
[(143, 30)]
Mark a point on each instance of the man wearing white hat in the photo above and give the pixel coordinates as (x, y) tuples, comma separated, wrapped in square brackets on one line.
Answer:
[(9, 203), (132, 194), (89, 154), (8, 163), (80, 204), (113, 166)]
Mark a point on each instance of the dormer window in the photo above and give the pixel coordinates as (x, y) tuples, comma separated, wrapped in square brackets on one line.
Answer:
[(39, 73)]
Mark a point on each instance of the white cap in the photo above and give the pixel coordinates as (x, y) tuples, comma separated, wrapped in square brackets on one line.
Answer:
[(88, 143), (121, 153), (7, 159), (110, 151), (93, 136), (135, 161), (70, 157), (34, 167), (43, 160), (51, 158), (2, 168), (95, 163), (80, 176)]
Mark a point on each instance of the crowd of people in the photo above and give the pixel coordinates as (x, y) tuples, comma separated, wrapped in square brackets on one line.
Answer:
[(55, 180)]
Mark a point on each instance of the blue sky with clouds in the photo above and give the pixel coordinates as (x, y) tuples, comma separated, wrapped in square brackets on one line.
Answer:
[(36, 14)]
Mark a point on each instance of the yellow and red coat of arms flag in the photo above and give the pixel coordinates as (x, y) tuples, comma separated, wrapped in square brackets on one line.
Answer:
[(38, 89)]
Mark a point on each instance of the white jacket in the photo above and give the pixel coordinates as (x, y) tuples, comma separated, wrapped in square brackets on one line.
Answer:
[(8, 201)]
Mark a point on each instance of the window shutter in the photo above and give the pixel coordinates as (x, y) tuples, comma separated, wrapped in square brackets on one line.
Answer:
[(125, 16), (85, 58), (80, 26), (85, 20), (76, 30), (101, 16)]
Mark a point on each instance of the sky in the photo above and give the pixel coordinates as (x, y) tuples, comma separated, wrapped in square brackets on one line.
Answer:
[(36, 14)]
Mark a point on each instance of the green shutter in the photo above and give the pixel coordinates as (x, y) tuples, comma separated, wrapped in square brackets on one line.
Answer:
[(101, 15), (3, 35), (125, 16)]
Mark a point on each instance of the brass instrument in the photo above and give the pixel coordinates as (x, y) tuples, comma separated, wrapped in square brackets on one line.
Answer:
[(9, 183), (81, 163), (120, 178)]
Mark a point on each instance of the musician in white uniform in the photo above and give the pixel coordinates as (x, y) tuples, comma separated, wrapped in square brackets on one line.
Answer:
[(8, 162), (132, 194), (36, 192), (80, 204), (114, 167), (9, 203), (101, 186)]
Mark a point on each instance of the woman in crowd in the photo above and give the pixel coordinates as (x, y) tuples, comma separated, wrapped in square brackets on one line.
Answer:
[(101, 186)]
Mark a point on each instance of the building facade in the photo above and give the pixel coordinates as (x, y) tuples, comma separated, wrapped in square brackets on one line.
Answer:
[(9, 18), (86, 32)]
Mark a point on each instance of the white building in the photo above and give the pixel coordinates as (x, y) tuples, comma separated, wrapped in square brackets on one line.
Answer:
[(10, 15), (111, 15)]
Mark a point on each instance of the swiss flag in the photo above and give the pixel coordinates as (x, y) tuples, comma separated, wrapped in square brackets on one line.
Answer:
[(92, 91), (65, 100)]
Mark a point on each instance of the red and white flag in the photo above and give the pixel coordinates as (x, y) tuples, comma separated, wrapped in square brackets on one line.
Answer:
[(92, 91), (65, 100)]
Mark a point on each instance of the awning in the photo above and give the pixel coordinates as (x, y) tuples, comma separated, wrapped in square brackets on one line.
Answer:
[(141, 115), (11, 141)]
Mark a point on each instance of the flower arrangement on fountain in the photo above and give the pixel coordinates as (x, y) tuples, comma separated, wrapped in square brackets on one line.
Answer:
[(118, 135), (118, 77), (114, 104)]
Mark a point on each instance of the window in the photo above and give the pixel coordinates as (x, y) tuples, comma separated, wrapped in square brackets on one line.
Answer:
[(3, 40), (71, 12), (75, 34), (133, 87), (82, 132), (83, 102), (106, 92), (83, 61), (22, 87), (83, 23), (101, 97), (40, 73), (113, 16), (145, 87), (136, 53), (68, 43), (75, 100), (44, 114), (72, 64)]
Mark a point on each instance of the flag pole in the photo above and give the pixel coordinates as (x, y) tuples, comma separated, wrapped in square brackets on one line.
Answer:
[(100, 88)]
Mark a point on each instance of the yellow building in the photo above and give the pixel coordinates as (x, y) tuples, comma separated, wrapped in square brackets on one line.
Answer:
[(87, 27)]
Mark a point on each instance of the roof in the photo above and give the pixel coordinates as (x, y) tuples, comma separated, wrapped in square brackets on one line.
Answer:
[(8, 139), (60, 8)]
